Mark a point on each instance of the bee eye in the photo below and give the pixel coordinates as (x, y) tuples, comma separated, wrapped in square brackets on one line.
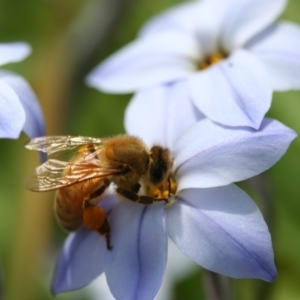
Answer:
[(157, 172)]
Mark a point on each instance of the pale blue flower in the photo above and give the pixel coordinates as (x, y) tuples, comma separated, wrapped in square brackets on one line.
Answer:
[(178, 268), (210, 219), (19, 108), (256, 56)]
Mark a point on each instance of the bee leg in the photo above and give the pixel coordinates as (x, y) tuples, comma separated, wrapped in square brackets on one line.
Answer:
[(149, 199), (94, 218), (128, 194), (135, 188), (105, 230), (136, 198), (93, 196)]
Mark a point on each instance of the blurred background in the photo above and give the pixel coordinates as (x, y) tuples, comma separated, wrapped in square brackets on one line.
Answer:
[(68, 39)]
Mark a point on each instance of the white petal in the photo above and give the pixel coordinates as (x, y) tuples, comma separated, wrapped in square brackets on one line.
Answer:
[(34, 124), (81, 261), (146, 62), (12, 114), (183, 17), (278, 49), (136, 265), (202, 19), (13, 52), (178, 268), (234, 92), (223, 231), (245, 18), (160, 114), (208, 155), (99, 289)]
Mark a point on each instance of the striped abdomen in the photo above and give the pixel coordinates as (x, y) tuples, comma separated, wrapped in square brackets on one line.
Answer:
[(69, 200)]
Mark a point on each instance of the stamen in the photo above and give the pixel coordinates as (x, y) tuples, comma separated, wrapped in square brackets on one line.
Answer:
[(212, 59), (167, 189)]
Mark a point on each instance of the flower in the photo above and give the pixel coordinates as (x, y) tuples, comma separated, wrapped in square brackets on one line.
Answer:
[(178, 267), (210, 219), (228, 54), (20, 110)]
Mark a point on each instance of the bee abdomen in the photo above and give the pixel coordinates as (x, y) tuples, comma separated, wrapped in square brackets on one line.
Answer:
[(68, 214)]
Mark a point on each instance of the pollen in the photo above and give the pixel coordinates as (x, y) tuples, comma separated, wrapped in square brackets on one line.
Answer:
[(93, 217), (212, 59), (165, 191)]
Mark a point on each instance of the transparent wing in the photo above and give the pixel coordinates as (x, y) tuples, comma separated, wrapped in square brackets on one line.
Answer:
[(59, 145), (54, 174), (58, 171)]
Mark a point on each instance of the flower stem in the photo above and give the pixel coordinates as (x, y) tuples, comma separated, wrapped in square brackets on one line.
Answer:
[(216, 287), (260, 185)]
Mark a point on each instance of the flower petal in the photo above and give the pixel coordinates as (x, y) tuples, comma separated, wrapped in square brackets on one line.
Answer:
[(179, 267), (223, 230), (136, 265), (12, 115), (203, 20), (246, 18), (13, 52), (99, 289), (225, 155), (146, 62), (160, 114), (234, 92), (34, 123), (181, 17), (277, 48), (81, 261)]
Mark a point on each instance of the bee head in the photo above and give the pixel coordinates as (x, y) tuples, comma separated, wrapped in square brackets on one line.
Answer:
[(160, 165)]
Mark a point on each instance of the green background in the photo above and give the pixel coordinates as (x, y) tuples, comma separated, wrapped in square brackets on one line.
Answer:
[(68, 41)]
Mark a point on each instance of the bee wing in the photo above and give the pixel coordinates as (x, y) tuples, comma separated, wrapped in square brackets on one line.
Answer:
[(52, 174), (55, 146)]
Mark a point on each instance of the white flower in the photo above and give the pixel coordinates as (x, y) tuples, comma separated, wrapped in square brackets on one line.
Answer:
[(20, 110), (209, 218), (227, 55), (178, 267)]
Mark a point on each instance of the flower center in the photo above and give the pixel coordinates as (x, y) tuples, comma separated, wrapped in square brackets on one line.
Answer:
[(165, 191), (210, 60)]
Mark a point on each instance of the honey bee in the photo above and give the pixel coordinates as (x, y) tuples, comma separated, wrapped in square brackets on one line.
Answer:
[(123, 160)]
